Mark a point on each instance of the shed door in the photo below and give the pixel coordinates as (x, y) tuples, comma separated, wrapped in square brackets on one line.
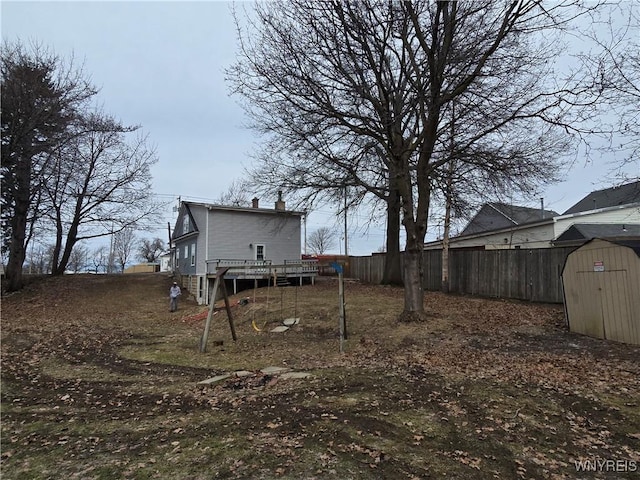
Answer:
[(585, 309), (603, 309), (615, 306)]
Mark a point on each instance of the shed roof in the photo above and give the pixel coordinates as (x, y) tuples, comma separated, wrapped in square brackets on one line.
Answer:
[(632, 243), (608, 197)]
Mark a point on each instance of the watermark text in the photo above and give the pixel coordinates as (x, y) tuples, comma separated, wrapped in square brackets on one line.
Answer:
[(606, 465)]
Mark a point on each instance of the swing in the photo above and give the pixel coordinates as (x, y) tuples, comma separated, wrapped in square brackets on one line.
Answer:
[(289, 322), (263, 324)]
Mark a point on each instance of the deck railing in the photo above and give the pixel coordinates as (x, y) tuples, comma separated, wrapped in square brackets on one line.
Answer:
[(263, 268), (300, 267)]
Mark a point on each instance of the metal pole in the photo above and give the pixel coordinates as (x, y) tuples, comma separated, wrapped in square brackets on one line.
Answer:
[(346, 250), (341, 309)]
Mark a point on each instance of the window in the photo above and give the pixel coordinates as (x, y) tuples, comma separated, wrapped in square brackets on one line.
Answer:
[(185, 223), (186, 252), (193, 254), (259, 252)]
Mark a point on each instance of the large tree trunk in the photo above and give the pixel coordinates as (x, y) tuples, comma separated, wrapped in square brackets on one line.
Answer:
[(17, 253), (18, 246), (413, 288), (70, 240), (392, 270), (416, 229)]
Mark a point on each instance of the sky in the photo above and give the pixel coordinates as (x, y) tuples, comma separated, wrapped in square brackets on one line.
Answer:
[(161, 65)]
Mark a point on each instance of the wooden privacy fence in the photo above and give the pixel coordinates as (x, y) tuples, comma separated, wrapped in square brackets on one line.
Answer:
[(527, 274)]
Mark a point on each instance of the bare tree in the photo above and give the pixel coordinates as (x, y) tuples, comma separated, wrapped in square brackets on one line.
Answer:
[(150, 250), (123, 245), (41, 96), (98, 184), (100, 259), (615, 68), (321, 240), (237, 195), (67, 170), (359, 94), (39, 259), (79, 258)]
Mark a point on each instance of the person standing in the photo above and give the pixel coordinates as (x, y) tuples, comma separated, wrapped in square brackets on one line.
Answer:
[(174, 292)]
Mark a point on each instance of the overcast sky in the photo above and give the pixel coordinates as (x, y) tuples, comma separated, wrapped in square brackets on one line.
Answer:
[(161, 65)]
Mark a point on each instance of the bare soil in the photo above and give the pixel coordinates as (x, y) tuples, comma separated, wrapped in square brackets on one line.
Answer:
[(100, 381)]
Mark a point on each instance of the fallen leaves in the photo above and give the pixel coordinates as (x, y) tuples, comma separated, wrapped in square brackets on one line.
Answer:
[(485, 382)]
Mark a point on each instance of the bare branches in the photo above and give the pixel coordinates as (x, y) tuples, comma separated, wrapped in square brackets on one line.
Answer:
[(41, 98), (321, 240), (360, 94), (67, 169), (613, 66)]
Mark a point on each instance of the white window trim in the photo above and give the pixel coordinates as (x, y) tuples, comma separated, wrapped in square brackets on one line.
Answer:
[(193, 254), (255, 251)]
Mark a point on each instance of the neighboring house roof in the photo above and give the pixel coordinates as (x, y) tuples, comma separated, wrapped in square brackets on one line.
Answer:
[(496, 216), (608, 197), (580, 232)]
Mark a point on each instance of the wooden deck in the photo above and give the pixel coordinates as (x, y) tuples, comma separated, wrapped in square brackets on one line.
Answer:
[(256, 270)]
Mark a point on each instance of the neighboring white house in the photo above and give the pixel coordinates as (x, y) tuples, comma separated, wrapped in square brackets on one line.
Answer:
[(608, 213), (256, 242), (165, 262)]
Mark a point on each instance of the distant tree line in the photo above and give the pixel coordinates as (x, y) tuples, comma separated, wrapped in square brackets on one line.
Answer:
[(114, 258)]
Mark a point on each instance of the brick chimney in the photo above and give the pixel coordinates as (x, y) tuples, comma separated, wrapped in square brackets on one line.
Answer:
[(254, 202), (280, 202)]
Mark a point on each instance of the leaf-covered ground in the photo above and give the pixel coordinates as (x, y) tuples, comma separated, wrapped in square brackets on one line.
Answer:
[(100, 381)]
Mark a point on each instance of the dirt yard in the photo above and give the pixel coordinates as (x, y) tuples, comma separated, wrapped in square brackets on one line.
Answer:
[(101, 381)]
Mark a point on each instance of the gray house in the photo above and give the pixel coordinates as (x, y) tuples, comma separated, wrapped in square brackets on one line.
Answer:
[(255, 243)]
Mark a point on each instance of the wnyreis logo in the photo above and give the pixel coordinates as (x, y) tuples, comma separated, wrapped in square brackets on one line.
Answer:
[(606, 465)]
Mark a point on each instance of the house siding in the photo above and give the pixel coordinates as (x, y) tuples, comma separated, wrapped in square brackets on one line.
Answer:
[(199, 214), (522, 237), (542, 235), (623, 215), (227, 233), (232, 233), (186, 247)]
